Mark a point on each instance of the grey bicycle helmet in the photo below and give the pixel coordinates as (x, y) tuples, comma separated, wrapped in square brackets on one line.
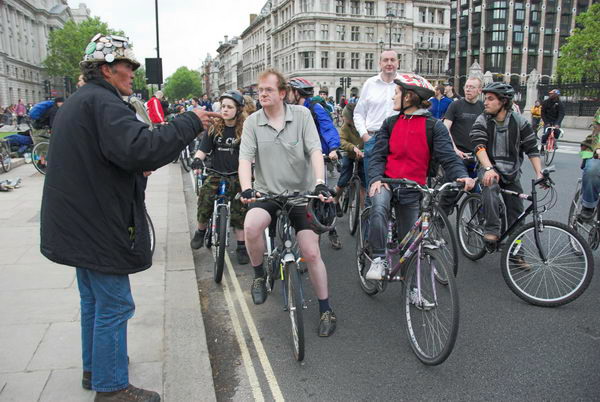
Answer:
[(321, 216), (501, 89), (234, 95), (302, 85)]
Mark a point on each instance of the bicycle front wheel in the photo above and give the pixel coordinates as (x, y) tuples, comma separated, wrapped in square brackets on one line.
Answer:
[(443, 236), (561, 278), (354, 207), (5, 159), (295, 305), (152, 233), (185, 159), (469, 225), (550, 151), (221, 245), (431, 309), (39, 157)]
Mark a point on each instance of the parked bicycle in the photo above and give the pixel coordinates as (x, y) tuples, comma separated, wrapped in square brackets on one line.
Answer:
[(544, 262), (430, 295), (5, 156)]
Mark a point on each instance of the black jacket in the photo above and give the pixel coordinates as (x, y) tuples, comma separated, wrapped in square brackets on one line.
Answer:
[(440, 148), (553, 111), (93, 195)]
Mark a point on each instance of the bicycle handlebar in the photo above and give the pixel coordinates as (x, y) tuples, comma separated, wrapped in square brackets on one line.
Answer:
[(230, 174), (424, 188), (282, 197)]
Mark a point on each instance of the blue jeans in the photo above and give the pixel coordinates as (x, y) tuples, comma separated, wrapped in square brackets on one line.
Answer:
[(106, 305), (590, 183), (367, 151), (346, 173)]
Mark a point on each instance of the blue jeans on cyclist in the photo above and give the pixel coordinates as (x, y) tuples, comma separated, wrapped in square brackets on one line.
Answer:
[(346, 173), (367, 152), (491, 204), (590, 187), (448, 199)]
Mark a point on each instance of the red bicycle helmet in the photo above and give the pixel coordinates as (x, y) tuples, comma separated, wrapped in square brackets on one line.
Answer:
[(416, 83), (302, 85)]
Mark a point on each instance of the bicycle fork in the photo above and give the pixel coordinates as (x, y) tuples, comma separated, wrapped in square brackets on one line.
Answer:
[(288, 258)]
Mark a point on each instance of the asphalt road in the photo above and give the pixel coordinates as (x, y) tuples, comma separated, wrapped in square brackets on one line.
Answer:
[(506, 349)]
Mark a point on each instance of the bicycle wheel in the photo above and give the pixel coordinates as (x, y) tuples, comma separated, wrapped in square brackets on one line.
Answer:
[(295, 305), (431, 309), (151, 233), (346, 199), (550, 151), (354, 207), (564, 276), (362, 255), (469, 225), (444, 238), (585, 229), (5, 159), (185, 160), (221, 244), (39, 156)]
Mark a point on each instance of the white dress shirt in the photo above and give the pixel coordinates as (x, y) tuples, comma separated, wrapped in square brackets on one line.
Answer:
[(374, 105)]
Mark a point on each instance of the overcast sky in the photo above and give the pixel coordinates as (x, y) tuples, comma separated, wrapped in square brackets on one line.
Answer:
[(189, 29)]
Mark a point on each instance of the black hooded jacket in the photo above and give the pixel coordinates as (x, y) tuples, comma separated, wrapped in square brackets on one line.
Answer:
[(93, 208)]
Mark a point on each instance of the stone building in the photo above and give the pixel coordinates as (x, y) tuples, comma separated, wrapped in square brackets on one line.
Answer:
[(230, 63), (24, 29)]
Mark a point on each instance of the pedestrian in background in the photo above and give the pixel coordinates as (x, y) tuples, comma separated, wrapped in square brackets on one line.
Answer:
[(155, 108), (536, 116), (439, 103)]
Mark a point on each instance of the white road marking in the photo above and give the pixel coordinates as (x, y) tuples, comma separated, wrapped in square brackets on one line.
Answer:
[(568, 149), (260, 350)]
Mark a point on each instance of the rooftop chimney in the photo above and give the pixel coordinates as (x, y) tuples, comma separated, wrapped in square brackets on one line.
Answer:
[(252, 18)]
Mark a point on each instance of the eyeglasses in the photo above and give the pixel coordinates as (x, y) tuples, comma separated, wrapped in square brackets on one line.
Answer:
[(470, 87), (266, 90)]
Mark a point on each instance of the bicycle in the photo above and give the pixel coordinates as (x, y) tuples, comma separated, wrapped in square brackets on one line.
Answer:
[(590, 229), (186, 156), (544, 262), (151, 233), (549, 149), (217, 233), (429, 289), (5, 156), (282, 260), (351, 198)]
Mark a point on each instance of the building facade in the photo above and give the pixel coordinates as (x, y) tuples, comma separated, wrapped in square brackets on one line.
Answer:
[(511, 38), (325, 40), (24, 29), (230, 60)]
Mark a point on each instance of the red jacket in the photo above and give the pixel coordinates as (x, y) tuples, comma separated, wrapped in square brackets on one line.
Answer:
[(155, 110), (409, 152)]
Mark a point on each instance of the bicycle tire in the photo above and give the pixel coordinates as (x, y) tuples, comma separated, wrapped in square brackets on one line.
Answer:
[(151, 233), (369, 287), (549, 154), (354, 207), (469, 227), (574, 223), (345, 199), (185, 163), (564, 283), (445, 308), (445, 238), (5, 159), (39, 156), (295, 306), (221, 245)]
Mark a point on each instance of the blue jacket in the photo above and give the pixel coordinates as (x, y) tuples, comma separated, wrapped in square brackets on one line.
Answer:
[(330, 138), (438, 107)]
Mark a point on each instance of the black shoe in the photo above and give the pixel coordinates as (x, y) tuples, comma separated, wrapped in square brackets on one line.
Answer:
[(130, 393), (259, 291), (336, 244), (586, 214), (86, 380), (338, 210), (198, 240), (542, 150), (327, 324), (242, 255)]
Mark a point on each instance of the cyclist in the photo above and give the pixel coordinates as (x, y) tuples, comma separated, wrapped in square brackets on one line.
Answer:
[(590, 180), (223, 143), (300, 93), (500, 137), (283, 141), (553, 113), (351, 143), (404, 148)]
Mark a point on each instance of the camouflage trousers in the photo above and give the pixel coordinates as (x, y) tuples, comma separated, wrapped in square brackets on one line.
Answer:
[(206, 200)]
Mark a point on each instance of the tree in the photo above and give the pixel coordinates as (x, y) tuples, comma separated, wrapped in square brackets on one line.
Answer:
[(184, 83), (579, 56), (67, 45), (139, 81)]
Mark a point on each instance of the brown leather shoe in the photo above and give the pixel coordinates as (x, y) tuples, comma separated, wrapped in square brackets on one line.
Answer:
[(129, 394)]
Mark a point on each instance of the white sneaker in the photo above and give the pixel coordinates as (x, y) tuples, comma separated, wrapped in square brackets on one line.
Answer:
[(420, 303), (377, 269)]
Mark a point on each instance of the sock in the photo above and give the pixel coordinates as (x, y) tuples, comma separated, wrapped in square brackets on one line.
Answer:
[(324, 306), (241, 244), (259, 271)]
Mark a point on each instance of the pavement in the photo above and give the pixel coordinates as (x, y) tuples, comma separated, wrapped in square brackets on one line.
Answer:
[(40, 346)]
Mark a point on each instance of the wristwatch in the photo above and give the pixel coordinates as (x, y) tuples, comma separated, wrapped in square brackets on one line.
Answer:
[(487, 169)]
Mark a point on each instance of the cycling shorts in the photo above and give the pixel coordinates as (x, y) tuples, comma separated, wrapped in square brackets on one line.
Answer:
[(297, 214)]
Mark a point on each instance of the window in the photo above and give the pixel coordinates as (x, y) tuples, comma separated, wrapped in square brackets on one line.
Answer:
[(370, 7), (354, 60), (397, 9), (441, 17), (340, 32), (369, 57), (355, 34), (340, 6), (324, 32), (355, 7), (325, 5), (499, 14), (431, 16), (422, 14), (518, 37), (401, 61), (397, 35), (324, 59), (340, 60), (519, 15), (370, 34), (498, 36), (307, 59), (307, 5), (440, 66)]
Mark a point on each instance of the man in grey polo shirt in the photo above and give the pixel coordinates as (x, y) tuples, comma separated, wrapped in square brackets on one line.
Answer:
[(284, 143)]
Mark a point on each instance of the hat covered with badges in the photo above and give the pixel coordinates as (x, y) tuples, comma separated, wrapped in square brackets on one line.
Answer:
[(107, 49)]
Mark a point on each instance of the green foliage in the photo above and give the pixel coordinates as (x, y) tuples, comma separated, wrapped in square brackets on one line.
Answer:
[(184, 83), (139, 81), (66, 46), (580, 55)]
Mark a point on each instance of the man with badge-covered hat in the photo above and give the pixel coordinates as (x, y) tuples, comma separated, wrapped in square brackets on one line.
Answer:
[(92, 215)]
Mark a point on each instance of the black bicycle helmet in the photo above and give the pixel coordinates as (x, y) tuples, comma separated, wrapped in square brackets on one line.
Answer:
[(321, 215), (501, 89), (302, 85), (234, 95)]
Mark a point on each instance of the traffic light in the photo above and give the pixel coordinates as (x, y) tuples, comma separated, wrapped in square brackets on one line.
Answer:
[(342, 82), (47, 86), (349, 81)]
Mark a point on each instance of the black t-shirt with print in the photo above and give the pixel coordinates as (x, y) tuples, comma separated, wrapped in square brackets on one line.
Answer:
[(224, 150), (463, 115)]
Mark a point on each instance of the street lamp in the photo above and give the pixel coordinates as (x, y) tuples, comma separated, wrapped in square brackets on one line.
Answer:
[(381, 45), (390, 17)]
